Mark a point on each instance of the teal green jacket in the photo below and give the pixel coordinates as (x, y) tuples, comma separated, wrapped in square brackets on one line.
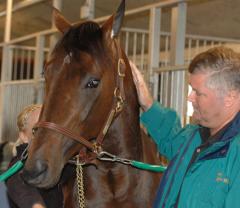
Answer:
[(212, 179)]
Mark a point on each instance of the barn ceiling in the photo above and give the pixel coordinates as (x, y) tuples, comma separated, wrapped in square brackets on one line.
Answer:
[(219, 18)]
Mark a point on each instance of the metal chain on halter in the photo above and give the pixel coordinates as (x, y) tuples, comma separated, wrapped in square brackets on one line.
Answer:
[(80, 185)]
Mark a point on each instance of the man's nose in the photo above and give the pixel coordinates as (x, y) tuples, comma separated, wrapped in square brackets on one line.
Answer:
[(191, 97)]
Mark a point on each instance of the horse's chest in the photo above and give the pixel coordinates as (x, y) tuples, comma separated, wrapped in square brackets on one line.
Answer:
[(118, 188), (107, 189)]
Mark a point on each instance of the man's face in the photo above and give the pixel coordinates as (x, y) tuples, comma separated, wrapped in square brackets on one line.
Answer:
[(206, 104)]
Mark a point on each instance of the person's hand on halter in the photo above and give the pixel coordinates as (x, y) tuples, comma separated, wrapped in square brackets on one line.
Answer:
[(144, 97)]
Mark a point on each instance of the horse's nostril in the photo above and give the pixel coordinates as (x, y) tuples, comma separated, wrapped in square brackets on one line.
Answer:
[(36, 172), (41, 166)]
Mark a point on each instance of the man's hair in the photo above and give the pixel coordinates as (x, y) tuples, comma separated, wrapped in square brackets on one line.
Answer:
[(222, 65)]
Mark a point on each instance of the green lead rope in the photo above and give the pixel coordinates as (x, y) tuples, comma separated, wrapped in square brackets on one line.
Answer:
[(15, 168), (110, 157), (19, 165), (106, 156), (146, 166)]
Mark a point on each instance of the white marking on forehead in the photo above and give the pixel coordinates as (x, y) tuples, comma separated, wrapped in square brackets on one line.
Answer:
[(67, 58)]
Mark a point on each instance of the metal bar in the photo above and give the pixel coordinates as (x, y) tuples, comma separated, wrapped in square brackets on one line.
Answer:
[(20, 82), (29, 57), (210, 38), (22, 64), (7, 34), (50, 31), (161, 87), (142, 52), (189, 50), (15, 63), (134, 46), (204, 44), (31, 36), (170, 68), (166, 87), (165, 4), (39, 57), (166, 61), (21, 5), (197, 47), (154, 46), (178, 25), (137, 30)]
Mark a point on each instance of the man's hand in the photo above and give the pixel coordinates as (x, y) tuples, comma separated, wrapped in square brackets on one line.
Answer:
[(144, 97)]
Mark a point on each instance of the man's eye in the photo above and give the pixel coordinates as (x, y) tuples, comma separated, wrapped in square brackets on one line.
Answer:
[(199, 93), (92, 83)]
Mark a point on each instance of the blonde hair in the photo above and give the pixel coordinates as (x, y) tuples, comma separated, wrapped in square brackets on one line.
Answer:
[(23, 116), (22, 122)]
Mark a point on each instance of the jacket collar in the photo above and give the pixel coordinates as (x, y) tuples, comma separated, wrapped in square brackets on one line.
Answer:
[(224, 134), (218, 144)]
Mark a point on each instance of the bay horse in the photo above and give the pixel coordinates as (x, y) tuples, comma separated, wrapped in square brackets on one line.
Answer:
[(90, 108)]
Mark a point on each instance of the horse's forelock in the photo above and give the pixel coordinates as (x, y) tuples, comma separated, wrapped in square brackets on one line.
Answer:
[(86, 37), (82, 37)]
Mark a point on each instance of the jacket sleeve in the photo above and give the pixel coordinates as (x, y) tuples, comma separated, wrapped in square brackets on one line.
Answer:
[(163, 125)]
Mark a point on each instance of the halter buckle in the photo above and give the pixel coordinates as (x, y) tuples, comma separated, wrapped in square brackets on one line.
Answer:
[(120, 100), (120, 73), (97, 148)]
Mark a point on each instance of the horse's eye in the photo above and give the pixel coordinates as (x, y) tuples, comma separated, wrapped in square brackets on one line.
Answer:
[(34, 130), (92, 83)]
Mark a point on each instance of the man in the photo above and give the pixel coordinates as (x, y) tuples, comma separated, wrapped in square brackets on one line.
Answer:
[(205, 159)]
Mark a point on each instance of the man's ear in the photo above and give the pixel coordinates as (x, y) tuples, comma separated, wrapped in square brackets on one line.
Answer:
[(231, 98)]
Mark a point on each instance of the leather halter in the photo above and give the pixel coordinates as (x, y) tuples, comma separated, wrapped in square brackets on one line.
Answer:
[(117, 106)]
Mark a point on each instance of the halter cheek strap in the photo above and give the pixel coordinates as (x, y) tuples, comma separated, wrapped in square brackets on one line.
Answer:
[(118, 101)]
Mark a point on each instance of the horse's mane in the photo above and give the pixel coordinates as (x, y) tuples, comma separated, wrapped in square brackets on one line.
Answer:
[(82, 37)]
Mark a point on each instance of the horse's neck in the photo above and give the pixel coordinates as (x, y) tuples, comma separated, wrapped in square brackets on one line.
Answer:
[(124, 134)]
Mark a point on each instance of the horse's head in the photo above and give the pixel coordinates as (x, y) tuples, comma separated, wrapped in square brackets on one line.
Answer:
[(83, 84)]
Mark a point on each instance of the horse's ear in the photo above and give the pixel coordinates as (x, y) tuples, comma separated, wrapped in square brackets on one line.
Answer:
[(60, 22), (118, 19), (113, 25)]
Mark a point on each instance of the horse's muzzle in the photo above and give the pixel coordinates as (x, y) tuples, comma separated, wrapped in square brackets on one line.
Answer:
[(35, 175)]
